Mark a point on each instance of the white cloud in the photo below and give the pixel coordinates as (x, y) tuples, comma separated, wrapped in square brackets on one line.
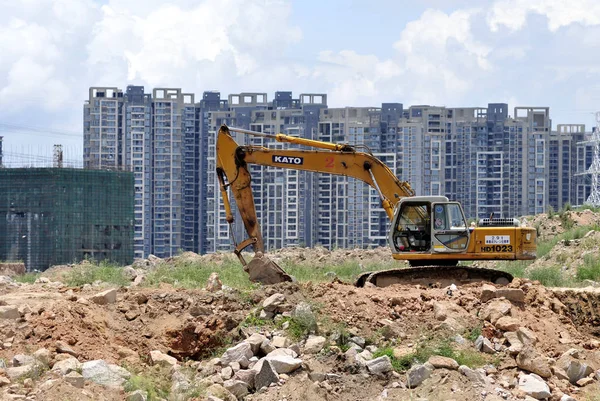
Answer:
[(513, 13)]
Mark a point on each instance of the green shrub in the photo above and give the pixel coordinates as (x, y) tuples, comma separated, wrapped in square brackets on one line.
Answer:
[(88, 273), (27, 278), (550, 276)]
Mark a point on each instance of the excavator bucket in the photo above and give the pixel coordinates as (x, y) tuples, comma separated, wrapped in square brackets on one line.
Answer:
[(263, 270)]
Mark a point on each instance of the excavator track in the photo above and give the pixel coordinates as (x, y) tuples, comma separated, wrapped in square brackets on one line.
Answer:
[(434, 276)]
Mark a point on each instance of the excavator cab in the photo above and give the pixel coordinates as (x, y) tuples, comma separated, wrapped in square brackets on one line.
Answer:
[(429, 224)]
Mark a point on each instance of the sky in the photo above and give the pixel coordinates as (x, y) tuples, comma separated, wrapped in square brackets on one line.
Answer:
[(450, 53)]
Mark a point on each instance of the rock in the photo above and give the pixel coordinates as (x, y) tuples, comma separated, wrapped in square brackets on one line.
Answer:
[(266, 347), (22, 360), (161, 359), (358, 341), (75, 379), (220, 392), (526, 336), (283, 352), (585, 381), (19, 372), (495, 309), (485, 345), (247, 376), (226, 373), (576, 371), (365, 355), (416, 375), (105, 374), (283, 364), (137, 395), (379, 366), (507, 323), (534, 386), (105, 297), (63, 348), (255, 341), (442, 362), (530, 360), (214, 283), (67, 365), (43, 355), (241, 353), (236, 387), (512, 294), (273, 302), (280, 342), (567, 398), (129, 272), (476, 376), (9, 312), (265, 376), (516, 345), (314, 344)]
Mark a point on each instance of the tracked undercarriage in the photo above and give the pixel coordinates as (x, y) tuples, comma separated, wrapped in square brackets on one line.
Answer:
[(429, 276)]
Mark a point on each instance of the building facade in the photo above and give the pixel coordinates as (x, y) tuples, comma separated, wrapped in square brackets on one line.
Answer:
[(490, 161)]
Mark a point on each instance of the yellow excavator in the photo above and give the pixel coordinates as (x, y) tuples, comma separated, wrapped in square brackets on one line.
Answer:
[(430, 232)]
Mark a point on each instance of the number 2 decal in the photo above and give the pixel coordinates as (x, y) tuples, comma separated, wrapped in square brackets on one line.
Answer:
[(329, 162)]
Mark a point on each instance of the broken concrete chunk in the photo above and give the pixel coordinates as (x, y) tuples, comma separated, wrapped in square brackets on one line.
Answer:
[(476, 376), (67, 365), (495, 309), (530, 360), (255, 341), (417, 375), (273, 302), (161, 359), (280, 342), (380, 365), (507, 323), (577, 370), (105, 297), (314, 344), (534, 386), (75, 379), (284, 364), (105, 374), (265, 376), (241, 353), (236, 387), (9, 312)]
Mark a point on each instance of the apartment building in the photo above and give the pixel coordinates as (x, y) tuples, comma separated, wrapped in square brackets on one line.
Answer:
[(490, 161), (146, 134), (282, 197)]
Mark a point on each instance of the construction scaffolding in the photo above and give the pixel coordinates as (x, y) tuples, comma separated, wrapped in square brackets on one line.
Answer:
[(53, 216)]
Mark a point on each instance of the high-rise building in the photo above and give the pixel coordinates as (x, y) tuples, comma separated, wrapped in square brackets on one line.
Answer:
[(146, 134), (484, 158), (282, 197)]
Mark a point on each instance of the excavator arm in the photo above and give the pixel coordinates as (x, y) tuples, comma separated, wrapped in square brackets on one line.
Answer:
[(232, 172)]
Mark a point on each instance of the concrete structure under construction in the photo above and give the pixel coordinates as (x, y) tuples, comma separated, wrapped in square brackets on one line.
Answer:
[(52, 216)]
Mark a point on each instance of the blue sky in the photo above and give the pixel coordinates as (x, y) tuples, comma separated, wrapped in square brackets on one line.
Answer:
[(361, 53)]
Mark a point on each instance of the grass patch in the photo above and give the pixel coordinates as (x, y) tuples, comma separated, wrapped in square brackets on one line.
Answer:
[(156, 383), (195, 274), (590, 269), (550, 276), (89, 273), (423, 352), (516, 267), (28, 278)]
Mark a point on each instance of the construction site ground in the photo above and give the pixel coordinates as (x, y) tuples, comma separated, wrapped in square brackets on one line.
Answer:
[(65, 335)]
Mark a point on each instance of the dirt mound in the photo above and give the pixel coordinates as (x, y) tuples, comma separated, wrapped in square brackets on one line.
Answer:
[(550, 225)]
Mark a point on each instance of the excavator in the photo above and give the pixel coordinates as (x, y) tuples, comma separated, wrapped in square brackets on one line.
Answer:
[(430, 232)]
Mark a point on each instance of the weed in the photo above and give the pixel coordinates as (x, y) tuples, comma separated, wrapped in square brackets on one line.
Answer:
[(27, 278), (155, 382), (254, 321), (399, 364), (473, 333), (590, 269), (550, 276), (516, 268), (88, 273)]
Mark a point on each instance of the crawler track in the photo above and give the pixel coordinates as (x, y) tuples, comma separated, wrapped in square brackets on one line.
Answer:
[(433, 276)]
